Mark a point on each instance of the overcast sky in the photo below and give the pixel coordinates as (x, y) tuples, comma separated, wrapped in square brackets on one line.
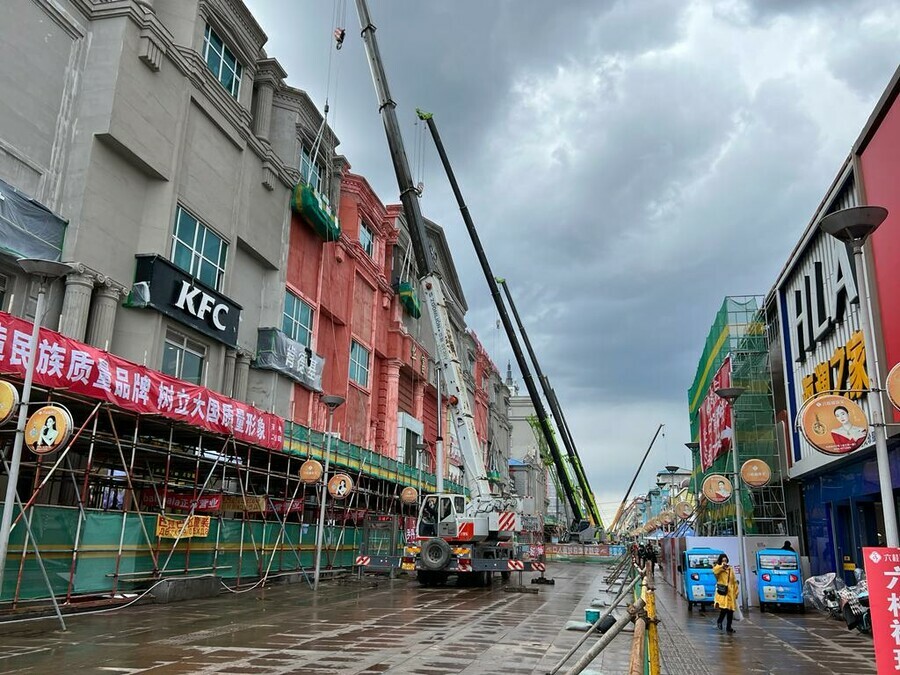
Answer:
[(627, 164)]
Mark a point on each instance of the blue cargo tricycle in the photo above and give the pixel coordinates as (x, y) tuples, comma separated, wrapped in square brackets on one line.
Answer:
[(779, 579), (699, 580)]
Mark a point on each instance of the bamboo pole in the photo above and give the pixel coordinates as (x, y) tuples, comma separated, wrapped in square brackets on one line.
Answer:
[(607, 638), (636, 664)]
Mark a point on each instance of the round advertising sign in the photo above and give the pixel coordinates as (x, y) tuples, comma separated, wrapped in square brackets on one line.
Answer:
[(833, 424), (684, 510), (668, 518), (48, 429), (717, 488), (893, 386), (340, 486), (311, 471), (756, 473), (409, 495), (9, 401)]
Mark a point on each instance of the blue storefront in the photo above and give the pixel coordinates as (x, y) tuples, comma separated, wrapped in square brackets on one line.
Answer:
[(843, 511)]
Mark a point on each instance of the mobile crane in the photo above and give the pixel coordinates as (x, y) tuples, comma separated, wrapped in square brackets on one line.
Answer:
[(455, 536)]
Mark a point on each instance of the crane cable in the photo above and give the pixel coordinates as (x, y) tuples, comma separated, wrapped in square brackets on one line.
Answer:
[(338, 21)]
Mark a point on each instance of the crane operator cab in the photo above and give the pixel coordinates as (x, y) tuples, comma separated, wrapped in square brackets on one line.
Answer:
[(438, 515)]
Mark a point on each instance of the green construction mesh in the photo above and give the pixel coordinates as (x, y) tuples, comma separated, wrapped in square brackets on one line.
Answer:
[(308, 204)]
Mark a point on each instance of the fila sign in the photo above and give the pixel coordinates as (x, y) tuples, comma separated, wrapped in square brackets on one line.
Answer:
[(168, 289)]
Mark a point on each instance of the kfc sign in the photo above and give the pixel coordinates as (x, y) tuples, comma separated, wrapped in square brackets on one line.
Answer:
[(202, 305), (166, 288)]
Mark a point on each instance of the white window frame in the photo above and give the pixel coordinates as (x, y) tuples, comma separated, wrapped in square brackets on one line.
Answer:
[(238, 70), (359, 371), (367, 243), (196, 248), (295, 319), (312, 178), (184, 344)]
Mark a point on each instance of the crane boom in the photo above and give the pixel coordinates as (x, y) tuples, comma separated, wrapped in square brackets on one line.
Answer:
[(430, 280), (586, 493), (541, 413)]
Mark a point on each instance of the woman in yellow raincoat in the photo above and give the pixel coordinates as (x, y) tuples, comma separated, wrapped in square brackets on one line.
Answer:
[(726, 602)]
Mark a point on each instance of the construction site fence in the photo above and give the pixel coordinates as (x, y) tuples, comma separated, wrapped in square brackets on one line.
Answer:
[(598, 553), (114, 555)]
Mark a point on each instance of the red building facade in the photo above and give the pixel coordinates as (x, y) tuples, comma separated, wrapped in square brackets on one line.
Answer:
[(357, 327)]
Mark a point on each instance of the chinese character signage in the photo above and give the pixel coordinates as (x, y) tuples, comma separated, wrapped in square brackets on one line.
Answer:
[(715, 420), (844, 371), (276, 351), (883, 579), (176, 528), (169, 290), (63, 363)]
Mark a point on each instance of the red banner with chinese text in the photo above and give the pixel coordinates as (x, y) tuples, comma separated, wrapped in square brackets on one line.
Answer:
[(715, 420), (64, 363), (883, 579)]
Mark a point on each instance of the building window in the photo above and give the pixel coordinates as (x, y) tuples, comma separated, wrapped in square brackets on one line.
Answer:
[(297, 319), (198, 250), (359, 364), (4, 286), (367, 239), (183, 358), (223, 64), (311, 171)]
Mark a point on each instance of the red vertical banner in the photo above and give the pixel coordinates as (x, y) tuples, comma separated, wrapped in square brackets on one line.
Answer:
[(883, 578), (715, 418)]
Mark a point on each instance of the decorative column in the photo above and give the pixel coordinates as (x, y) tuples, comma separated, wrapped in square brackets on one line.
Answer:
[(388, 406), (76, 303), (269, 75), (228, 375), (241, 375), (103, 313)]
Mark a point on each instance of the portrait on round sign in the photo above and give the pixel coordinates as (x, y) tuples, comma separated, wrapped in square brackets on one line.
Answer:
[(48, 429), (717, 488), (834, 425), (9, 401), (340, 486)]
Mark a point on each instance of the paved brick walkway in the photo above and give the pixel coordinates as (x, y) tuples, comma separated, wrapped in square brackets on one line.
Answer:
[(764, 643), (397, 627)]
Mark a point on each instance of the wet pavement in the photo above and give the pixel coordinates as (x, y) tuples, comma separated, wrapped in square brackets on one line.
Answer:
[(398, 627)]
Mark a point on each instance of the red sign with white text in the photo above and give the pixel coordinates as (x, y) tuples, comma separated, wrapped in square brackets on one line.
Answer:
[(64, 363), (715, 418), (883, 579)]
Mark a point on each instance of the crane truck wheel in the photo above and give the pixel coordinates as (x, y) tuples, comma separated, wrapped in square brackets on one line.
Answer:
[(435, 554)]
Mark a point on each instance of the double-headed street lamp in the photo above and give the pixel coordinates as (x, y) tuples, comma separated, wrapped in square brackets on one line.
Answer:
[(731, 394), (333, 402), (853, 226), (46, 271)]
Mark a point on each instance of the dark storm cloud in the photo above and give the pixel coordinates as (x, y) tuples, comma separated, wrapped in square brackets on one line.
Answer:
[(627, 165)]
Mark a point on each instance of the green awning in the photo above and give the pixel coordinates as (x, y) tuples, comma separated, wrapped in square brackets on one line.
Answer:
[(309, 205), (409, 298)]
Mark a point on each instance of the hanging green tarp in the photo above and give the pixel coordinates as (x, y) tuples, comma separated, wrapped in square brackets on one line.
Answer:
[(308, 204), (409, 298)]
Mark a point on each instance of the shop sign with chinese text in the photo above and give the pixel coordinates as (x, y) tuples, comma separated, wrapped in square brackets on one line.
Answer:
[(276, 351), (715, 418), (883, 578), (175, 528), (64, 363), (821, 339)]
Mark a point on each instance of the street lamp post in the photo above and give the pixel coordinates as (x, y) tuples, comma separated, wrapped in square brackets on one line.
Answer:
[(45, 271), (731, 394), (853, 226), (332, 402)]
